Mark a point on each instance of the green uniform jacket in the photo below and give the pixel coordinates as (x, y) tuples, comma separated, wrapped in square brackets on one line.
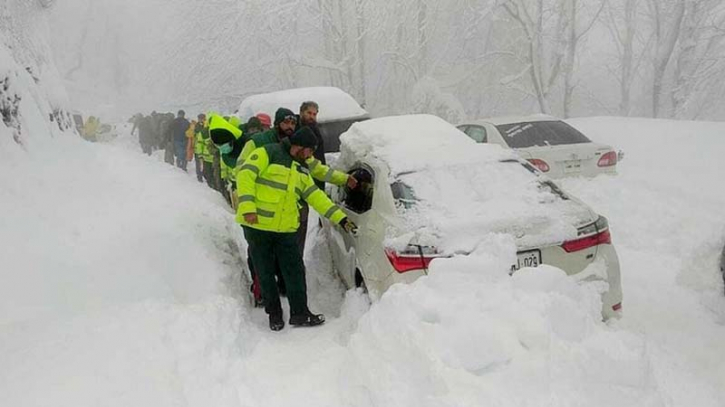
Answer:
[(318, 170), (271, 183)]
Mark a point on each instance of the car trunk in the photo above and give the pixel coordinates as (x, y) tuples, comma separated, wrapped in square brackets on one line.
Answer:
[(569, 159)]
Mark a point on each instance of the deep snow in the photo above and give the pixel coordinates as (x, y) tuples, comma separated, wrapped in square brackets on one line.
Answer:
[(122, 286)]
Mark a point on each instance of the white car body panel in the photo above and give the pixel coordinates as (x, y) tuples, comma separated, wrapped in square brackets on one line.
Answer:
[(567, 160)]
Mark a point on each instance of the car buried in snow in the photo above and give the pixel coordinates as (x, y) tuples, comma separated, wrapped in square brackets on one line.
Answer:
[(551, 145), (426, 191), (338, 110)]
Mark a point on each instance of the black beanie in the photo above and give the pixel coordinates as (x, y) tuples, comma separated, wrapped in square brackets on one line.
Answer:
[(281, 114), (304, 137)]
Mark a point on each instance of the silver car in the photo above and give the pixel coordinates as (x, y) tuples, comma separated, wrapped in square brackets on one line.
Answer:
[(551, 228)]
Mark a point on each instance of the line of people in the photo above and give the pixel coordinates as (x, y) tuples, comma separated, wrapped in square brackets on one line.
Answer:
[(272, 175), (184, 140)]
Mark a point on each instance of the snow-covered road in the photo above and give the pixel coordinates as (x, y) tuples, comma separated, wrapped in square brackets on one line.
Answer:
[(122, 286)]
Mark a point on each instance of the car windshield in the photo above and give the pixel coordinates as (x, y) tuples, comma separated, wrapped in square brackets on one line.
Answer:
[(543, 133), (331, 132)]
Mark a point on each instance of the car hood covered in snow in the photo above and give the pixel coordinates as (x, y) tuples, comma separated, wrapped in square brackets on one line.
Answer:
[(459, 192)]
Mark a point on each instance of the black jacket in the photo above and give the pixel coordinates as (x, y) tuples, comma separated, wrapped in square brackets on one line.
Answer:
[(320, 151), (178, 128)]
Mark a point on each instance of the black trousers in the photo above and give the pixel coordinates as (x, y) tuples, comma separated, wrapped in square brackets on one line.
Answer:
[(208, 172), (198, 164), (268, 248)]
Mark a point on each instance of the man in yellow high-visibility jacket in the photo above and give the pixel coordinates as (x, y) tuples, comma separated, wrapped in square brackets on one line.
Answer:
[(284, 125), (269, 184)]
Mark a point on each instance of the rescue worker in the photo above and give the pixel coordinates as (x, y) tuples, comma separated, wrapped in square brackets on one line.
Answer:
[(199, 146), (178, 129), (284, 125), (251, 127), (202, 134), (229, 140), (270, 183)]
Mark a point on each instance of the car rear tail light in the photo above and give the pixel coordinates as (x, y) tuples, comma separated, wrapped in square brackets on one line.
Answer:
[(617, 307), (540, 164), (607, 160), (599, 235), (412, 258)]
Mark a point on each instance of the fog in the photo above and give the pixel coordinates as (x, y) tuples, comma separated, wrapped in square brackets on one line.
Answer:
[(454, 58)]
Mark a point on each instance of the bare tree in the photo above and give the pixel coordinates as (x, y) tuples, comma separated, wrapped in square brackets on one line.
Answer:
[(622, 23), (698, 60), (667, 22)]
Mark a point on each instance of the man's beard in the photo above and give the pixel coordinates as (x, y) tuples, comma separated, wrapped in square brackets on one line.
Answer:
[(287, 133)]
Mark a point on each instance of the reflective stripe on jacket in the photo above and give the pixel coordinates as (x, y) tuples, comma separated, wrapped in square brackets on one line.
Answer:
[(270, 184), (318, 170)]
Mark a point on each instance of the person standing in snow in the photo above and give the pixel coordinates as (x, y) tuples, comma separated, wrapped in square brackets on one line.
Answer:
[(228, 139), (167, 136), (285, 122), (199, 149), (178, 129), (145, 134), (308, 118), (270, 183)]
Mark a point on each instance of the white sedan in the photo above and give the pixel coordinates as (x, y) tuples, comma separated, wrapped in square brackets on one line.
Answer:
[(551, 145), (426, 191)]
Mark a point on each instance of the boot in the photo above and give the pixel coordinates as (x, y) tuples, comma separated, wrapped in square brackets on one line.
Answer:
[(276, 322), (307, 319), (259, 303)]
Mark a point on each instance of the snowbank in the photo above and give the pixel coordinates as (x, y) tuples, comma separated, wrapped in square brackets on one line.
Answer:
[(335, 104), (467, 334)]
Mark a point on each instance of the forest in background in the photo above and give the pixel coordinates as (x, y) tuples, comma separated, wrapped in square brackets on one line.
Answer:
[(454, 58)]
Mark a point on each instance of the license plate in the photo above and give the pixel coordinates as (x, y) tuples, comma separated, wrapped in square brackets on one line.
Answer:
[(531, 258), (572, 166)]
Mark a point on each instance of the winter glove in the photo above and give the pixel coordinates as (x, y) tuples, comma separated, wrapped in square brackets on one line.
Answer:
[(349, 226)]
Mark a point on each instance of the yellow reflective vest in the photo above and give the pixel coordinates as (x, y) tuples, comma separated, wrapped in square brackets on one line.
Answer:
[(270, 183), (318, 170)]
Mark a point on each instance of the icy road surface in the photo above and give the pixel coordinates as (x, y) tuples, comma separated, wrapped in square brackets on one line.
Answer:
[(122, 286)]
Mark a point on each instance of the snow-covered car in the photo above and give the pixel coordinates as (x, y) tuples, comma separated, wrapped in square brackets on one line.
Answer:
[(338, 110), (551, 145), (427, 191)]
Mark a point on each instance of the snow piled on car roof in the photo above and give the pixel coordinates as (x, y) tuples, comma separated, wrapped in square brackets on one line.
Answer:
[(335, 104), (413, 143), (463, 191)]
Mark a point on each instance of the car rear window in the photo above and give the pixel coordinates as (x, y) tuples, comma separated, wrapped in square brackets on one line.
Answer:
[(331, 132), (403, 194), (546, 133)]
